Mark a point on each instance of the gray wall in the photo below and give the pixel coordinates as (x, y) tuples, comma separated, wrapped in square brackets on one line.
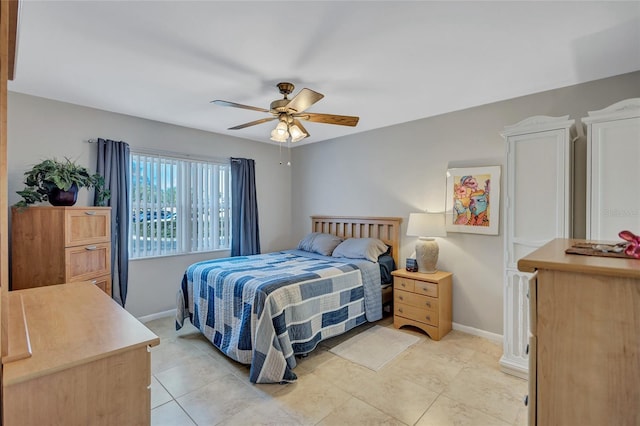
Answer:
[(388, 172), (401, 169), (40, 128)]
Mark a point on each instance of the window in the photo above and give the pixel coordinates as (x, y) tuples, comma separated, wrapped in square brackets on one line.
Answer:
[(178, 205)]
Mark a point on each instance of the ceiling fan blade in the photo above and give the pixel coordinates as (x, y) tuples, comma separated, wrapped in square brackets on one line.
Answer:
[(235, 105), (342, 120), (252, 123), (301, 127), (303, 100)]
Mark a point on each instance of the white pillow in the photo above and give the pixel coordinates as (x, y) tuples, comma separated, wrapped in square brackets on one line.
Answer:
[(361, 248), (317, 242)]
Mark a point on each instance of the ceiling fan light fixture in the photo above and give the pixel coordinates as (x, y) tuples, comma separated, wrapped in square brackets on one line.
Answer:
[(296, 133), (278, 137), (282, 129)]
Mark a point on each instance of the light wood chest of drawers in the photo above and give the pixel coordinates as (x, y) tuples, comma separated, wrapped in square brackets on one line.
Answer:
[(55, 245), (423, 301), (82, 360), (584, 344)]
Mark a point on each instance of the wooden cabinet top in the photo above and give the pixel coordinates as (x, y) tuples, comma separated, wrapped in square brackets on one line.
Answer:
[(552, 256), (45, 207), (435, 277), (68, 325)]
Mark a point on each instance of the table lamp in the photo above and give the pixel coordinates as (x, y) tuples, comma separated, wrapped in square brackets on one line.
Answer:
[(426, 226)]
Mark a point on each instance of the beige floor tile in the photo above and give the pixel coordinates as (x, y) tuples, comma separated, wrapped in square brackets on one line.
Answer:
[(522, 419), (195, 373), (159, 394), (345, 375), (219, 400), (168, 354), (491, 392), (447, 412), (265, 413), (314, 359), (310, 398), (422, 366), (166, 327), (170, 414), (398, 397), (330, 390), (356, 412)]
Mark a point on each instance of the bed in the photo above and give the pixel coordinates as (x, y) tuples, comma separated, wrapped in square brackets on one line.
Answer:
[(265, 309)]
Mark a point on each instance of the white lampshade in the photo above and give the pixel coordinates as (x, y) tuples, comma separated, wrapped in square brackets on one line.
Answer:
[(426, 226)]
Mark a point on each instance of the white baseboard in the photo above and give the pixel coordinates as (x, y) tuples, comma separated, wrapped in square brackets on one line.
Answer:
[(514, 368), (147, 318), (496, 338)]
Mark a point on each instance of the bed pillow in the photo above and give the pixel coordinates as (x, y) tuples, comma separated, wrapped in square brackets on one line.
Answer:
[(317, 242), (361, 248)]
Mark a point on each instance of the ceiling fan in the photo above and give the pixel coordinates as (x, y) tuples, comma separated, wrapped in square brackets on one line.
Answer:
[(289, 112)]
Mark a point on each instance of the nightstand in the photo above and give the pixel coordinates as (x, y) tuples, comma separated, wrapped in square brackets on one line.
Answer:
[(423, 301)]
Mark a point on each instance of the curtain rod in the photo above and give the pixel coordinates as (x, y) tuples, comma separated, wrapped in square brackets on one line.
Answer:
[(182, 155)]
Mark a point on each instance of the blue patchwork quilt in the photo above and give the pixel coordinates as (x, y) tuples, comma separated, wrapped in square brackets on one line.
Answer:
[(263, 310)]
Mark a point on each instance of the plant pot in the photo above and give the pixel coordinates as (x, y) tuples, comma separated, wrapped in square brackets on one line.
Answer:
[(59, 197)]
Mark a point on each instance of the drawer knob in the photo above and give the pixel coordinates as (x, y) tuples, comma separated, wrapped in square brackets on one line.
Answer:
[(401, 297), (424, 289), (90, 213), (428, 304), (91, 248), (400, 310), (526, 400), (526, 350), (428, 318), (402, 284)]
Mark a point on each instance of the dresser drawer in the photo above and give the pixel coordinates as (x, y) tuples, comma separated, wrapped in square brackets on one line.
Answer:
[(428, 289), (401, 283), (417, 314), (83, 263), (416, 300), (103, 282), (87, 226)]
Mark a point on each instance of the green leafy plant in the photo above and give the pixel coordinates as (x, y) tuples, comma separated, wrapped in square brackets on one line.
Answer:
[(51, 173)]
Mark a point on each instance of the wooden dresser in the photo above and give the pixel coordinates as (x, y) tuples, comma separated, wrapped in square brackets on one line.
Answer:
[(55, 245), (423, 301), (584, 350), (81, 360)]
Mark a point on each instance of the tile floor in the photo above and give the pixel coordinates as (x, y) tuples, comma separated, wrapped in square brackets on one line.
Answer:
[(455, 381)]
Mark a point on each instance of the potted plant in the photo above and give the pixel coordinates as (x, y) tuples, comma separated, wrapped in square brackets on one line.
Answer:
[(58, 182)]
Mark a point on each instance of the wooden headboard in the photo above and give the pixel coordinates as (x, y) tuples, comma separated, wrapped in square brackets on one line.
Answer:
[(386, 229)]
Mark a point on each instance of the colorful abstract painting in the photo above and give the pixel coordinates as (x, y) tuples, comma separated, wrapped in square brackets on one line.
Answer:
[(473, 200)]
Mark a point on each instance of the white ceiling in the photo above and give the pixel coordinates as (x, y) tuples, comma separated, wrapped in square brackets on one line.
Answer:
[(387, 62)]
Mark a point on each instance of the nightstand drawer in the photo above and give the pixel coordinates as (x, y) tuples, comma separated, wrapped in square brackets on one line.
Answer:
[(428, 289), (401, 283), (417, 300), (416, 314)]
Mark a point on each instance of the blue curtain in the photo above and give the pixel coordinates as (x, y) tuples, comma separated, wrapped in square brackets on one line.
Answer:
[(113, 164), (245, 235)]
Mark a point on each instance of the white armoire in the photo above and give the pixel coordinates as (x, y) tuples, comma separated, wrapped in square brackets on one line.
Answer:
[(613, 163), (537, 209)]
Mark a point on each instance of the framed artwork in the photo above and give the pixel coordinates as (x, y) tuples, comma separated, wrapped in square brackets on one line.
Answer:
[(473, 200)]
